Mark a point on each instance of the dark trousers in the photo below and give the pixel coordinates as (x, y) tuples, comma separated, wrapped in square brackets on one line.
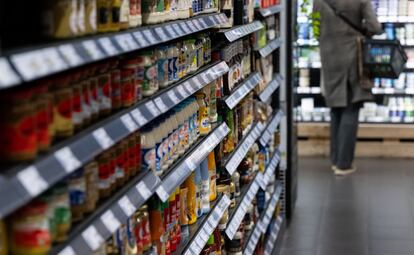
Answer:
[(344, 128)]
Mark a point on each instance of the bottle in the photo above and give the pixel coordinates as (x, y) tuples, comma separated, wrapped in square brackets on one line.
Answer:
[(162, 64), (203, 114), (148, 149), (205, 187), (190, 184), (212, 175), (199, 190), (236, 180)]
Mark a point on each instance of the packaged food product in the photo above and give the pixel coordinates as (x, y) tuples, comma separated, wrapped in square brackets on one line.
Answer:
[(80, 17), (145, 222), (191, 185), (63, 216), (104, 90), (116, 98), (92, 189), (41, 99), (86, 101), (18, 127), (114, 15), (135, 18), (120, 171), (4, 246), (147, 67), (156, 214), (30, 230), (148, 149), (104, 162), (203, 114), (77, 115), (205, 187), (124, 12), (152, 11), (90, 16), (212, 175), (162, 65), (60, 18), (77, 194), (184, 216), (103, 18)]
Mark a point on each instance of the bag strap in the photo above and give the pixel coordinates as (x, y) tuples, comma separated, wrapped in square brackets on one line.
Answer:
[(345, 19)]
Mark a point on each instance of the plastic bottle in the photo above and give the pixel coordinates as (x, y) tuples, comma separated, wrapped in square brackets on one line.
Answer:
[(148, 149), (212, 175), (199, 188), (175, 136), (181, 133), (205, 187), (162, 64), (203, 114), (158, 146), (191, 205)]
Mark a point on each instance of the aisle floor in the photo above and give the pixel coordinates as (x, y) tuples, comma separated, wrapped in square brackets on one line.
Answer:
[(368, 213)]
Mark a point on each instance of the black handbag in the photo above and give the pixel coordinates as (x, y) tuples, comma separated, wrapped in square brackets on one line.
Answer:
[(376, 58)]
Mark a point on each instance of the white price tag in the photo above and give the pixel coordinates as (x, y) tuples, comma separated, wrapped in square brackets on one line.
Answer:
[(92, 49), (143, 190), (190, 162), (127, 207), (102, 137), (191, 26), (108, 46), (32, 181), (162, 194), (92, 238), (53, 60), (171, 31), (8, 77), (161, 34), (178, 29), (173, 97), (161, 105), (67, 251), (152, 108), (110, 221), (30, 65), (198, 25), (140, 39), (66, 158), (149, 36), (129, 123), (70, 55), (199, 241), (185, 27), (139, 117)]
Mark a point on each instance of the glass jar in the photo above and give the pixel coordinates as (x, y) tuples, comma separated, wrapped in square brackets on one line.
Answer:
[(77, 194)]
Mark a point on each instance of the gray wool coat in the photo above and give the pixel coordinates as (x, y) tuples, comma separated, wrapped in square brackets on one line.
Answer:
[(338, 49)]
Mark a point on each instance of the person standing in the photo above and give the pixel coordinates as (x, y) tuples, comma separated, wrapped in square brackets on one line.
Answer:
[(340, 82)]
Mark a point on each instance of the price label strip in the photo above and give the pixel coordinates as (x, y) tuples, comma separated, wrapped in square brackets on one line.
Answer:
[(273, 237), (241, 210), (201, 238), (269, 90), (243, 90)]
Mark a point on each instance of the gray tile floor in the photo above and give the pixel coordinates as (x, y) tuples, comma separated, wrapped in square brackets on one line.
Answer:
[(368, 213)]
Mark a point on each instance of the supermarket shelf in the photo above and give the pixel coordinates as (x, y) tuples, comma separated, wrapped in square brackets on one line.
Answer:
[(271, 128), (233, 161), (266, 12), (96, 228), (43, 60), (271, 168), (270, 47), (375, 91), (243, 89), (205, 227), (178, 174), (263, 222), (275, 236), (271, 88), (25, 182), (245, 200), (238, 32), (396, 19)]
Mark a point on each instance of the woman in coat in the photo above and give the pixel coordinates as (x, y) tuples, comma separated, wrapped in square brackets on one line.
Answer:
[(340, 83)]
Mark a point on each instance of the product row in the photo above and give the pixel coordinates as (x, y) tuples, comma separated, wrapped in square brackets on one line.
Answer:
[(393, 7), (48, 219), (394, 109)]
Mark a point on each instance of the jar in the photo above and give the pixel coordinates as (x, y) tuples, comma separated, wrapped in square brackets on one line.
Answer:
[(93, 87), (137, 136), (62, 211), (147, 243), (77, 194), (104, 184), (162, 65), (41, 99), (199, 51), (60, 18), (63, 108), (92, 189), (17, 127), (114, 15), (48, 198), (135, 18), (148, 68), (124, 15), (90, 16), (77, 117), (131, 81), (112, 166), (156, 213), (172, 55), (103, 7), (4, 247), (132, 156), (152, 11), (120, 171), (116, 86), (104, 90), (30, 230)]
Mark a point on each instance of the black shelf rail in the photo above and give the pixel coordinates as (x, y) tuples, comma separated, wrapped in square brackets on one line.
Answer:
[(178, 174), (95, 229), (270, 47), (272, 10), (200, 233), (271, 127), (253, 238), (237, 215), (241, 31), (243, 89), (271, 87), (28, 64), (233, 160), (25, 182), (115, 211)]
